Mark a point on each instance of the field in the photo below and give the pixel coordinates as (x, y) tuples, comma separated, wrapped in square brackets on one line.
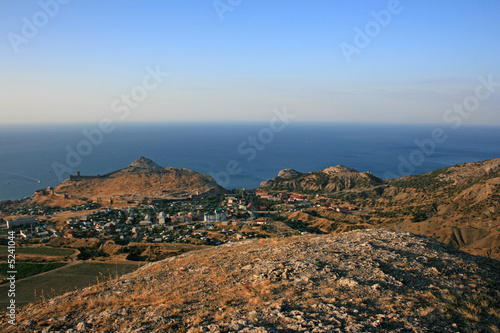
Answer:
[(31, 261), (62, 280), (42, 251), (29, 269)]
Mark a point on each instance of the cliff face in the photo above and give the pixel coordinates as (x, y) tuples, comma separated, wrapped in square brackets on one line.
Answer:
[(329, 180), (363, 281), (142, 178)]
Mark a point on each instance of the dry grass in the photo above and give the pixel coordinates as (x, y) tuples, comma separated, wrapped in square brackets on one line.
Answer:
[(213, 285)]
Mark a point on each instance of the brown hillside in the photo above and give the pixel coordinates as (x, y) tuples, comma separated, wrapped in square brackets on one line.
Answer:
[(142, 179), (363, 281), (459, 205)]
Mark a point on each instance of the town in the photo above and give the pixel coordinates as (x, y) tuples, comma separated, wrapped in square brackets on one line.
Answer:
[(211, 220)]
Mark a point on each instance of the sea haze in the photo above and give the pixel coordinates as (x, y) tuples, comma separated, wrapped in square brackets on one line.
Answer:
[(252, 152)]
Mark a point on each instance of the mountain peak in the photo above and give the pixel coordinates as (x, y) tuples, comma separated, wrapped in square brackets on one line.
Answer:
[(338, 169), (288, 173), (144, 164)]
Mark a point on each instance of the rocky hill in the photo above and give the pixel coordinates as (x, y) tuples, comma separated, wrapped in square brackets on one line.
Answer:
[(458, 205), (362, 281), (331, 179), (143, 178)]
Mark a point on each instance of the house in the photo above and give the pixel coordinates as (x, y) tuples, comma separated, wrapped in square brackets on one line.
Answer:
[(109, 224), (145, 223), (181, 218), (284, 196), (297, 197), (264, 195)]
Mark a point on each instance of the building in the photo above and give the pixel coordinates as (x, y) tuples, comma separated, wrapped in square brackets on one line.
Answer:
[(161, 218), (29, 220), (217, 216), (25, 234), (297, 197), (231, 200)]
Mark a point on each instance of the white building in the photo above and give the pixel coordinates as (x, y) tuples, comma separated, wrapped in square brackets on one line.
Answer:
[(217, 216), (29, 220), (161, 218)]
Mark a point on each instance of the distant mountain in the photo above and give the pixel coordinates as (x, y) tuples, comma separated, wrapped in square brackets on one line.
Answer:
[(362, 281), (143, 178), (330, 180)]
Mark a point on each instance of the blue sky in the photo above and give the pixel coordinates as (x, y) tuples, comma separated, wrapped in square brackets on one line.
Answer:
[(241, 64)]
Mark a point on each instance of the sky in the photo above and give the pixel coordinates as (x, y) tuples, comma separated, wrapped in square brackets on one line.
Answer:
[(74, 61)]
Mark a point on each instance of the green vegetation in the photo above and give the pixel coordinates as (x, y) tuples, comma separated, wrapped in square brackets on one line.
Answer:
[(63, 280), (28, 269), (43, 251), (428, 181), (299, 225)]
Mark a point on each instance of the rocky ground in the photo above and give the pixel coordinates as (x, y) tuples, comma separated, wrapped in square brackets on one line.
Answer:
[(360, 281)]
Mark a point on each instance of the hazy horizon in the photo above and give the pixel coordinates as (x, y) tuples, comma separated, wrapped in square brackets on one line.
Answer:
[(401, 62)]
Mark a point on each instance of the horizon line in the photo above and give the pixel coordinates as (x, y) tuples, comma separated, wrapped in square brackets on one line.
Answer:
[(239, 122)]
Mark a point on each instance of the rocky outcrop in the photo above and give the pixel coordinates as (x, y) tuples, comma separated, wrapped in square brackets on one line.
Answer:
[(143, 164), (329, 180), (362, 281)]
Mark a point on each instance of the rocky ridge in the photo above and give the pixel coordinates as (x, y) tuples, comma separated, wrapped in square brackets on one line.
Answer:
[(331, 179), (362, 281)]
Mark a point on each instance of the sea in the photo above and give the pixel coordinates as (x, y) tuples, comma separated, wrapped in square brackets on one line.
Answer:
[(236, 155)]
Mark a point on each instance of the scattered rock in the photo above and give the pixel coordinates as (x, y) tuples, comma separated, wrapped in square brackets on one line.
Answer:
[(378, 281)]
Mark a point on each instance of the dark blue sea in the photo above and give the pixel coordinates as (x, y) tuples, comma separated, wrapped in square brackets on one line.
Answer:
[(236, 155)]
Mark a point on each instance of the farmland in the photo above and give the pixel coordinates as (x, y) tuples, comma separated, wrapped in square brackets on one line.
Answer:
[(69, 278)]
